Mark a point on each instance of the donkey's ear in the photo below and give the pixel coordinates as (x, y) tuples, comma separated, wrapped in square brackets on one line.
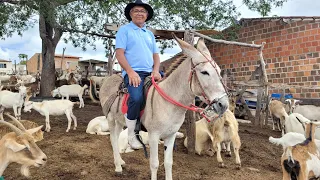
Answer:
[(187, 49), (201, 46)]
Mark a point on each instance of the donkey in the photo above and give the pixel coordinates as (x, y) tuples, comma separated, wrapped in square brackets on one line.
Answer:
[(161, 118)]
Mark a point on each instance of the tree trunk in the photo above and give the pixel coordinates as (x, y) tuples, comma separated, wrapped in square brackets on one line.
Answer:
[(50, 36), (48, 78)]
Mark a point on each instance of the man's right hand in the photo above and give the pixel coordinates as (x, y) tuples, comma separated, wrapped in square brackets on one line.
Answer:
[(134, 79)]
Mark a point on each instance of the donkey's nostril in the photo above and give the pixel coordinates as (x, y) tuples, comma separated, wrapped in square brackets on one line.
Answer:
[(44, 159), (220, 105)]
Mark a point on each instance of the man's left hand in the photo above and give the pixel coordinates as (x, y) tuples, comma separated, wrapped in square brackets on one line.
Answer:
[(156, 75)]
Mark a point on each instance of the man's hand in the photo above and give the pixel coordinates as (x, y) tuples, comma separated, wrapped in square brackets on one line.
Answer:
[(156, 75), (134, 78)]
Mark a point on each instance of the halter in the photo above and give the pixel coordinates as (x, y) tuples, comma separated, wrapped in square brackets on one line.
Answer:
[(193, 107), (192, 72)]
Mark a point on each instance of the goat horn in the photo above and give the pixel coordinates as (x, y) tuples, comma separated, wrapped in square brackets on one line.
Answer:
[(14, 128), (16, 121)]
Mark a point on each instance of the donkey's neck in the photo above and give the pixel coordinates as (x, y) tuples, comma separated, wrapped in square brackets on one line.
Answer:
[(177, 85)]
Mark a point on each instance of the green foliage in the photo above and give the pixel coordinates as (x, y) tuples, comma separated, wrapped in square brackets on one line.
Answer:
[(263, 6), (23, 62), (80, 19)]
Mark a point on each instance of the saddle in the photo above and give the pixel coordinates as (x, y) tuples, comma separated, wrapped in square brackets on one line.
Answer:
[(120, 90)]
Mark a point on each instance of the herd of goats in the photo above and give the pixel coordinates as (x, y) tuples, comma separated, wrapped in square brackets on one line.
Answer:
[(298, 123)]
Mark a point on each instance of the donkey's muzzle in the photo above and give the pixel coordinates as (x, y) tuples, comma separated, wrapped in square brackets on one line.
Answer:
[(221, 105)]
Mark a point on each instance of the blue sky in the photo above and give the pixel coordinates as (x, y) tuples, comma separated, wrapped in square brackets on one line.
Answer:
[(30, 42)]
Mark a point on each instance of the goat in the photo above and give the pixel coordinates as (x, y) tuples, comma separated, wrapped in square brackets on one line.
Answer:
[(71, 79), (70, 90), (54, 108), (99, 126), (19, 147), (296, 123), (38, 136), (301, 162), (291, 104), (223, 130), (13, 100), (291, 139), (311, 112), (277, 110)]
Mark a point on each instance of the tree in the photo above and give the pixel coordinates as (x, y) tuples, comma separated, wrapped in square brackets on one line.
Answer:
[(23, 62), (82, 21)]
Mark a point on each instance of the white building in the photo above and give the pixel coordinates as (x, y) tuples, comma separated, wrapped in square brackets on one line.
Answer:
[(5, 66)]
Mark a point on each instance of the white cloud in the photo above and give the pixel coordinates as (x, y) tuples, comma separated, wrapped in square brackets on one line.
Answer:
[(30, 42)]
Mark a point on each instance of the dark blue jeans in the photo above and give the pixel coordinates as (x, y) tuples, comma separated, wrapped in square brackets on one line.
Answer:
[(136, 98)]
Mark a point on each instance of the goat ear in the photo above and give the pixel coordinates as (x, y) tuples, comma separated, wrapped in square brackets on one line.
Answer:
[(14, 146)]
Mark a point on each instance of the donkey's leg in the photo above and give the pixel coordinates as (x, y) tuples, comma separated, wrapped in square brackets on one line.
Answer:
[(168, 153), (154, 160), (115, 129)]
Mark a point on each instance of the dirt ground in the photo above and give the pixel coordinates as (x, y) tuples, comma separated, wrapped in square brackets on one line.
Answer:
[(77, 155)]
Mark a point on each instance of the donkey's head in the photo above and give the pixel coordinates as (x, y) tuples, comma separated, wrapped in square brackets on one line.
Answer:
[(20, 147), (208, 83)]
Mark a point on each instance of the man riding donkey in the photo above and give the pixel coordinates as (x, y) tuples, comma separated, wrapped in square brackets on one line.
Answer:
[(138, 55)]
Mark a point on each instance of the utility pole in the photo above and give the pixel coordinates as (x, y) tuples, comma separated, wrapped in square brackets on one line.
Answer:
[(15, 66), (62, 58)]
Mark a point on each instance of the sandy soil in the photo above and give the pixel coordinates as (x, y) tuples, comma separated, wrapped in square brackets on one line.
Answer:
[(77, 155)]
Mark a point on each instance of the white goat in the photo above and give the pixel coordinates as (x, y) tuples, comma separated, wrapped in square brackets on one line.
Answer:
[(223, 130), (302, 161), (73, 90), (26, 79), (311, 112), (13, 100), (54, 108), (291, 139), (277, 110), (19, 147), (296, 123), (98, 125)]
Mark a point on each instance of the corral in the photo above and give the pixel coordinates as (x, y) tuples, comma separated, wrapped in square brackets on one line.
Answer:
[(78, 155)]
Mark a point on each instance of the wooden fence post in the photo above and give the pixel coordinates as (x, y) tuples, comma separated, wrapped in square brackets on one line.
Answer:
[(190, 116)]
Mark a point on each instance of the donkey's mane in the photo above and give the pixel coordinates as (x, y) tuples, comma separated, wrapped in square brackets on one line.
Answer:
[(179, 58)]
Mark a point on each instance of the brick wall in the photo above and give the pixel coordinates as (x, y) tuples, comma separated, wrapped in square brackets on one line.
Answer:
[(291, 54)]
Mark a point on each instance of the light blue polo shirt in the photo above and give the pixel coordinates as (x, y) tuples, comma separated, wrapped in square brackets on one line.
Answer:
[(139, 45)]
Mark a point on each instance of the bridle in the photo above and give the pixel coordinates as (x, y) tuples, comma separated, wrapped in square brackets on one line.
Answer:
[(193, 73), (193, 107)]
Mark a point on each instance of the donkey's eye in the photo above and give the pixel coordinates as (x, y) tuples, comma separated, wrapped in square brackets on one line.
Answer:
[(204, 73)]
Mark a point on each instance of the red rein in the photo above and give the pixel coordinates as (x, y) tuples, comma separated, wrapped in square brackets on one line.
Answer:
[(192, 107)]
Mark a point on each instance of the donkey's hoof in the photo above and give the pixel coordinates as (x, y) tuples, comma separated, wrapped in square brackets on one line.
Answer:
[(238, 166), (221, 165), (118, 173), (228, 154)]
